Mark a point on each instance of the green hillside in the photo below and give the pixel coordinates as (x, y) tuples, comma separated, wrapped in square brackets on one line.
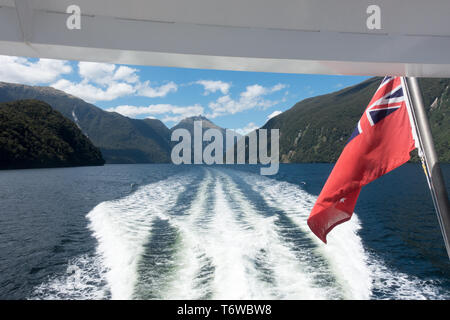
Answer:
[(120, 139), (316, 129), (33, 135), (313, 130)]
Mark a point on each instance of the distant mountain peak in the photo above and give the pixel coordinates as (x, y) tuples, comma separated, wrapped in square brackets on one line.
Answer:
[(196, 118), (120, 139), (43, 90), (188, 123)]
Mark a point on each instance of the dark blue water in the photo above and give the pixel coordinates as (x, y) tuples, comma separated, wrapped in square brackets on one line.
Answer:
[(165, 231)]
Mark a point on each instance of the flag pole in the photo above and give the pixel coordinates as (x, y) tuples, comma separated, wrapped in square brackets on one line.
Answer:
[(429, 157)]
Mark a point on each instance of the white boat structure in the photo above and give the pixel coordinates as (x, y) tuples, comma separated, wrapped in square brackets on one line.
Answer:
[(409, 38)]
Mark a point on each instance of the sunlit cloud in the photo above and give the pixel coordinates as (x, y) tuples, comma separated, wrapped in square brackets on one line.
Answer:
[(212, 86), (22, 70), (247, 129), (91, 93), (252, 97), (145, 90), (169, 112), (274, 114)]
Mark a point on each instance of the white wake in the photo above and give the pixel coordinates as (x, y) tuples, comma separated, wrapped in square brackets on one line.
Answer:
[(231, 244)]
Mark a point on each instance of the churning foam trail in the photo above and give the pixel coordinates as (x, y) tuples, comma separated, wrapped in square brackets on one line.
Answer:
[(216, 251), (230, 250), (122, 228), (360, 274), (229, 247), (344, 251), (187, 284), (234, 236), (292, 278), (84, 279), (389, 284)]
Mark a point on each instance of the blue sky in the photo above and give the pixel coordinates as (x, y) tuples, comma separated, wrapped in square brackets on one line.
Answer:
[(231, 99)]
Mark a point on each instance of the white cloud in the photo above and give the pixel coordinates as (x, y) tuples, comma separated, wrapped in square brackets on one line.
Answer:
[(257, 90), (145, 90), (278, 87), (170, 112), (247, 129), (251, 98), (106, 82), (99, 81), (111, 76), (100, 73), (91, 93), (106, 73), (42, 71), (274, 114), (211, 86), (126, 74)]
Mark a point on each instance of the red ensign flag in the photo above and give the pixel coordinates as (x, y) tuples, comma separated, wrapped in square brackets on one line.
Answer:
[(380, 143)]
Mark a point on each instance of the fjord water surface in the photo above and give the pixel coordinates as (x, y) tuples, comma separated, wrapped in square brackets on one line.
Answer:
[(161, 231)]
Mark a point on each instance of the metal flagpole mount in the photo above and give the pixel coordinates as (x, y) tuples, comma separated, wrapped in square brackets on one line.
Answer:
[(429, 157)]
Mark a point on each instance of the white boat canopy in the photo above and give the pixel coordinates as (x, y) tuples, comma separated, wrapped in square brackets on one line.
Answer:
[(402, 37)]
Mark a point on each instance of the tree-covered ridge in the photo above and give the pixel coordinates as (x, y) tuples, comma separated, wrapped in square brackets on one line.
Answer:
[(313, 130), (33, 135), (317, 129), (120, 139)]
